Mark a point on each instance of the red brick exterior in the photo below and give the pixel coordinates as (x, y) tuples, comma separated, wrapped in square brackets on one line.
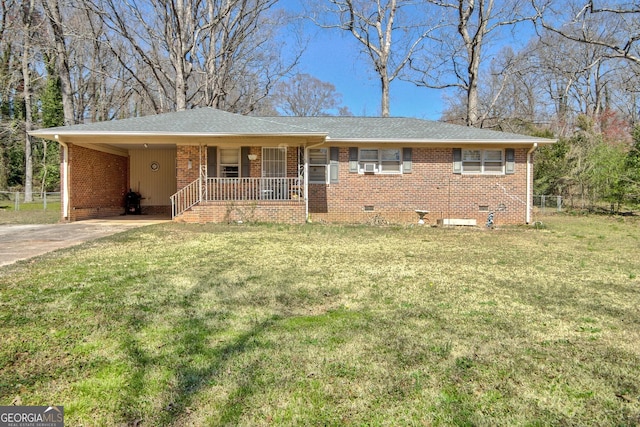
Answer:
[(185, 154), (98, 182), (431, 186)]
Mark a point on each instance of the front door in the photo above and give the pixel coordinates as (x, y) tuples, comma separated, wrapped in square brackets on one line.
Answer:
[(274, 173)]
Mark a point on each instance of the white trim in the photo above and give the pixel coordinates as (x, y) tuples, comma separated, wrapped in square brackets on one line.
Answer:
[(65, 180), (529, 184), (444, 141), (51, 135)]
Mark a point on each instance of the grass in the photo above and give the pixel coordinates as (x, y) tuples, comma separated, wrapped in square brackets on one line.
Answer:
[(29, 213), (181, 325)]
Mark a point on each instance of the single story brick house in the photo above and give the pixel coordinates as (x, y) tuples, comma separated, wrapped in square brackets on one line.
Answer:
[(207, 165)]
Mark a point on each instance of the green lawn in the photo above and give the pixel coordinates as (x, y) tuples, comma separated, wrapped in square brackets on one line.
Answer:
[(197, 325), (29, 213)]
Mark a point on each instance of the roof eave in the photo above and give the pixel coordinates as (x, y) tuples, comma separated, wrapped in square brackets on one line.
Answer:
[(442, 141), (41, 133)]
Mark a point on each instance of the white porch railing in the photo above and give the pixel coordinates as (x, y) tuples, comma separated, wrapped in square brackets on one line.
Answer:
[(237, 189), (185, 198)]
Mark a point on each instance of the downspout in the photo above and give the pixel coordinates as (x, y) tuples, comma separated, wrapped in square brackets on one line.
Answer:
[(200, 170), (306, 178), (529, 183), (65, 178)]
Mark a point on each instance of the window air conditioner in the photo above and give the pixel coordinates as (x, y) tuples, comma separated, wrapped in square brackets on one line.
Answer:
[(369, 168)]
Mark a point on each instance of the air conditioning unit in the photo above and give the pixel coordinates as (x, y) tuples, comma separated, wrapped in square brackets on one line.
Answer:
[(369, 168)]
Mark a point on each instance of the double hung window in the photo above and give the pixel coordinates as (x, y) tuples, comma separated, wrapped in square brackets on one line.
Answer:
[(380, 160), (318, 159), (229, 163), (483, 161)]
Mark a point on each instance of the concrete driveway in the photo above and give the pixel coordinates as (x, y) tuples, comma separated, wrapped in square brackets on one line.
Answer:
[(18, 242)]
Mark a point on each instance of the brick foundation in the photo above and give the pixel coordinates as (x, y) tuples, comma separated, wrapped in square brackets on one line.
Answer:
[(281, 212)]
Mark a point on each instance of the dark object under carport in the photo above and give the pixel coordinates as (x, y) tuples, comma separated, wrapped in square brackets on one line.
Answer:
[(132, 203)]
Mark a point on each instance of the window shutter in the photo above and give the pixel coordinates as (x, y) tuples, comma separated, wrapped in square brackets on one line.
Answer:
[(212, 162), (245, 166), (407, 162), (510, 157), (334, 163), (457, 160), (353, 159)]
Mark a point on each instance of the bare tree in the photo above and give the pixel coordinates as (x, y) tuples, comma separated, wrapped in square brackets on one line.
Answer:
[(162, 36), (243, 54), (455, 57), (52, 9), (221, 53), (389, 32), (508, 95), (29, 24), (608, 24), (305, 95)]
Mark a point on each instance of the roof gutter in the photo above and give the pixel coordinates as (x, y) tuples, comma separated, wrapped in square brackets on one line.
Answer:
[(529, 182), (44, 133)]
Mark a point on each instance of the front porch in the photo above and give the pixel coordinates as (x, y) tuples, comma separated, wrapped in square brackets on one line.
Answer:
[(241, 200)]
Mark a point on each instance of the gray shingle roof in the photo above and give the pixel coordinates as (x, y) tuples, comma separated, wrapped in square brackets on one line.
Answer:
[(198, 121), (395, 128), (209, 121)]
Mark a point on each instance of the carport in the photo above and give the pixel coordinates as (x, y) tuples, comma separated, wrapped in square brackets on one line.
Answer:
[(97, 177)]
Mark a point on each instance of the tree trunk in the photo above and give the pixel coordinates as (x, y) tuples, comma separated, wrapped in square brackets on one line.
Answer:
[(472, 99), (385, 95), (53, 14), (26, 93)]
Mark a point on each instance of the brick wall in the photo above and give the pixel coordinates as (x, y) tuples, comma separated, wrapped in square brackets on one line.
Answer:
[(185, 154), (98, 183), (370, 198), (431, 186)]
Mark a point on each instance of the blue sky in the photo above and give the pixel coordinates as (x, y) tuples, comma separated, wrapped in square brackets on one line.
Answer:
[(335, 57)]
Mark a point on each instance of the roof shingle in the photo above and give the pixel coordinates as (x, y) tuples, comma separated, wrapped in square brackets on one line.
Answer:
[(209, 121)]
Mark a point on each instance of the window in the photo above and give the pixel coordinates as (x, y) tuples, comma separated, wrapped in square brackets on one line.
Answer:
[(229, 163), (318, 165), (390, 161), (380, 161), (482, 161)]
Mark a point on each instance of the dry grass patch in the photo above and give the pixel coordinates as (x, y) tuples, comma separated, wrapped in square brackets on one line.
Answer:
[(259, 325)]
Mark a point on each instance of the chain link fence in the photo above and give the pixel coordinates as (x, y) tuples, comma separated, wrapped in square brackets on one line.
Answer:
[(548, 203), (16, 200)]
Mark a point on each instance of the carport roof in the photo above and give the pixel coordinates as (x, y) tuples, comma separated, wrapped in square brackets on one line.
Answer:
[(200, 121), (212, 122)]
